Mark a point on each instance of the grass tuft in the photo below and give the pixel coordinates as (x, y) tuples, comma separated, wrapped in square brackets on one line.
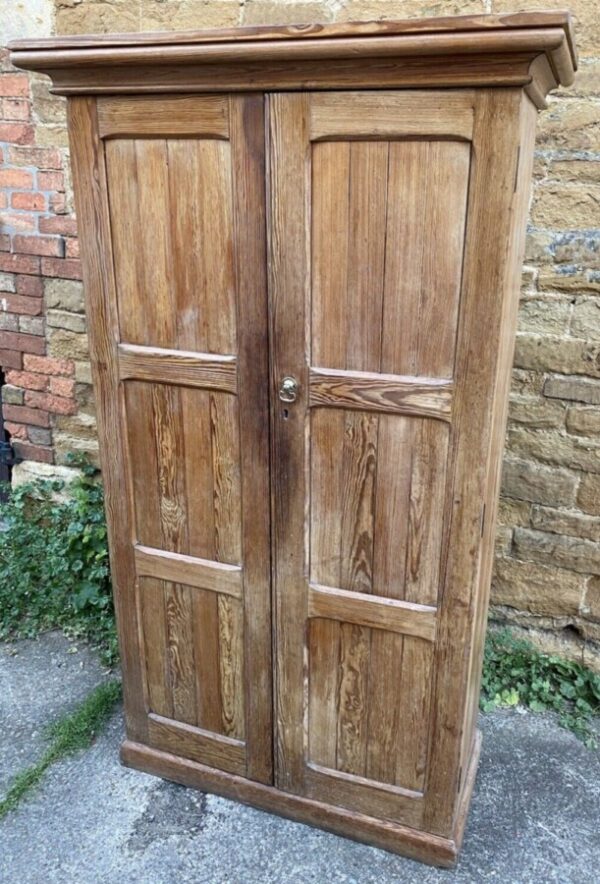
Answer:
[(68, 735)]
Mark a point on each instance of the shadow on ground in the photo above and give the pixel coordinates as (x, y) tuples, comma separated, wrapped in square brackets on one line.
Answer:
[(534, 817)]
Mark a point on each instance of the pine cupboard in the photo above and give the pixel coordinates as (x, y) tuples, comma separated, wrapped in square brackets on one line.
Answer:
[(302, 251)]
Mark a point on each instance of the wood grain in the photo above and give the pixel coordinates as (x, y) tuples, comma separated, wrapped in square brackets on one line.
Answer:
[(178, 568), (407, 618), (391, 394), (196, 744), (204, 370), (389, 115), (203, 116)]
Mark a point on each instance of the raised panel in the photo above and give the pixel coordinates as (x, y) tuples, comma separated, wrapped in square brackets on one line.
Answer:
[(193, 656), (184, 446), (172, 232)]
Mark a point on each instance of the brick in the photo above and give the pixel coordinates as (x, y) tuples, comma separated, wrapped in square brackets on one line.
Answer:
[(22, 342), (39, 245), (571, 553), (16, 109), (64, 268), (34, 452), (574, 389), (30, 285), (32, 325), (532, 482), (17, 431), (21, 414), (48, 402), (7, 282), (39, 436), (40, 157), (12, 394), (30, 202), (58, 204), (51, 181), (74, 322), (559, 521), (4, 237), (18, 220), (28, 380), (62, 386), (49, 365), (14, 84), (3, 205), (72, 248), (588, 496), (11, 359), (534, 587), (9, 321), (20, 304), (583, 421), (62, 225), (17, 133)]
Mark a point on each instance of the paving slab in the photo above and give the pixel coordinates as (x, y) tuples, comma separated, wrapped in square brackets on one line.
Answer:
[(534, 820), (41, 680)]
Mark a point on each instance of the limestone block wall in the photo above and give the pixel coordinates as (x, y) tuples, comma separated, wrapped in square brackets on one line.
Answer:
[(547, 575)]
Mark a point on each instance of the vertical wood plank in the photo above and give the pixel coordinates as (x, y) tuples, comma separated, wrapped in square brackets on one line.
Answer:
[(247, 131), (289, 280), (488, 283), (180, 644), (91, 199), (152, 606), (139, 419)]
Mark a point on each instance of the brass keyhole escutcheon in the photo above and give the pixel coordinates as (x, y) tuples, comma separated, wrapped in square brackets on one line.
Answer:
[(288, 389)]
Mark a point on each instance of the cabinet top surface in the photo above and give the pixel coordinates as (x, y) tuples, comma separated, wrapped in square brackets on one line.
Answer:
[(501, 43)]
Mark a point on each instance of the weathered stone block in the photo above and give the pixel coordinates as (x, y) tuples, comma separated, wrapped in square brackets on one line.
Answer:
[(577, 170), (64, 294), (514, 512), (537, 588), (532, 482), (97, 17), (39, 436), (571, 205), (65, 344), (591, 601), (585, 322), (527, 383), (574, 281), (536, 412), (572, 553), (7, 283), (574, 125), (588, 496), (544, 315), (563, 522), (574, 389), (549, 446), (47, 108), (74, 322), (584, 421), (552, 353), (31, 325)]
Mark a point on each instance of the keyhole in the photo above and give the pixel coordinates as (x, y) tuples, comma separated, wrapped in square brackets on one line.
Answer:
[(286, 414)]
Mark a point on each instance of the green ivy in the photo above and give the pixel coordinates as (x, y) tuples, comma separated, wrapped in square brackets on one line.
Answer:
[(54, 569), (515, 673)]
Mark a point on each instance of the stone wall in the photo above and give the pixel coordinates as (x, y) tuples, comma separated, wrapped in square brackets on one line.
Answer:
[(547, 576)]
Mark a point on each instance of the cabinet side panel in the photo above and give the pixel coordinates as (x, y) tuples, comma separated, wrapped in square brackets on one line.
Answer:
[(514, 263), (488, 280), (94, 226)]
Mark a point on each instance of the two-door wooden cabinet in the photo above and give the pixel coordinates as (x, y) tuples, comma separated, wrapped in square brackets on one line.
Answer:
[(302, 251)]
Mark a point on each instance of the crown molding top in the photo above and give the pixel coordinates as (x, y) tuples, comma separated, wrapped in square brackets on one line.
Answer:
[(534, 50)]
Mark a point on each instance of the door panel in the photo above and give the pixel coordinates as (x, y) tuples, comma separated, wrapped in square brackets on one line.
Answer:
[(186, 199), (365, 298)]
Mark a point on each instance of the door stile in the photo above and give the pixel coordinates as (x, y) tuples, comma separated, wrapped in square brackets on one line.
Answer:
[(91, 199), (289, 283)]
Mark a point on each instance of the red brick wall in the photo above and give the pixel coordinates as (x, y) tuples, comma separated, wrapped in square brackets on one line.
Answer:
[(37, 241)]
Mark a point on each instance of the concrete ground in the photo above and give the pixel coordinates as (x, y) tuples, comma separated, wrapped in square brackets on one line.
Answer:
[(535, 815)]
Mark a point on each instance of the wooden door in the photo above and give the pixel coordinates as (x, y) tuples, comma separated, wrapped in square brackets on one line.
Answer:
[(389, 236), (171, 203)]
